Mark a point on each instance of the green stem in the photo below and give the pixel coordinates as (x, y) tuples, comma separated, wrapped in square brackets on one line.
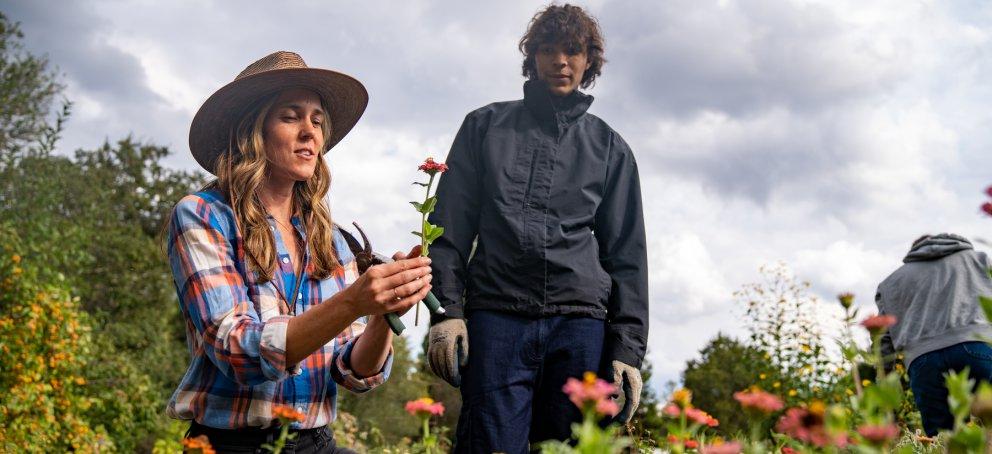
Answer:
[(426, 436), (423, 220)]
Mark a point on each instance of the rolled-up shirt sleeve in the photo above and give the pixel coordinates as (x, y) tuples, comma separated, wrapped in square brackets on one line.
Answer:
[(341, 370), (214, 299)]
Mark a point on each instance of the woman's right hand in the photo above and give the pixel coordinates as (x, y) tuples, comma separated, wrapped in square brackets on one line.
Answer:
[(391, 287)]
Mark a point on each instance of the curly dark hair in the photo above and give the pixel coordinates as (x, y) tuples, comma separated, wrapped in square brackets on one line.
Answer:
[(572, 28)]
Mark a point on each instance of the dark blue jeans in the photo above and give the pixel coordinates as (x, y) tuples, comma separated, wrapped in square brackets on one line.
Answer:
[(512, 386), (926, 378)]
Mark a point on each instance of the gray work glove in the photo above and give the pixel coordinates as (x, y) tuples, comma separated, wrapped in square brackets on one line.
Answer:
[(628, 380), (447, 350)]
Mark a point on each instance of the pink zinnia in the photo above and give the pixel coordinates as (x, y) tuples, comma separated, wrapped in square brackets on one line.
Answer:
[(877, 323), (425, 406), (700, 417), (987, 208), (807, 426), (672, 410), (879, 434), (759, 401), (431, 167), (733, 447), (591, 392), (788, 450)]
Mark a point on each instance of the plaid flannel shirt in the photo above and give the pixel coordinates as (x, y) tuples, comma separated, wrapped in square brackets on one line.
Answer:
[(236, 326)]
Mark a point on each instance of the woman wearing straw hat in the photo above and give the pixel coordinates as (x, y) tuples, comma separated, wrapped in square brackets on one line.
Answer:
[(276, 314)]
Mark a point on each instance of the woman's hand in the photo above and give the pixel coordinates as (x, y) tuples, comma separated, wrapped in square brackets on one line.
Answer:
[(392, 287)]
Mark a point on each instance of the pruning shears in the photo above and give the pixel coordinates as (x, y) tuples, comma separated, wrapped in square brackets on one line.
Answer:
[(366, 258)]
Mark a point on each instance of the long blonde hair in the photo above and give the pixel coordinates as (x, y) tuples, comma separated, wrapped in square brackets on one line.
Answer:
[(241, 172)]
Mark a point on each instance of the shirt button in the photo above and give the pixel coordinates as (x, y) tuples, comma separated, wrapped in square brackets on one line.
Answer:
[(285, 260), (273, 228), (299, 298)]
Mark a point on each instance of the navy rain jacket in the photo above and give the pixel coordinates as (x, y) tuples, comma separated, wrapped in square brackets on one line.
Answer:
[(548, 197)]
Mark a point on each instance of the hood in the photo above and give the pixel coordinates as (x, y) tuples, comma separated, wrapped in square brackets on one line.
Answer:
[(937, 246)]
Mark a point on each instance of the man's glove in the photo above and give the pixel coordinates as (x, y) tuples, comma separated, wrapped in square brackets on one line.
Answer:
[(627, 379), (447, 351)]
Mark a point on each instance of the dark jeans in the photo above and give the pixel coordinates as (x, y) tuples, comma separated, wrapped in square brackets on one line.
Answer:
[(926, 378), (307, 441), (512, 386)]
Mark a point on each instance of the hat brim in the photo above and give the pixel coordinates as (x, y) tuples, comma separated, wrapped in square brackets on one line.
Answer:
[(344, 97)]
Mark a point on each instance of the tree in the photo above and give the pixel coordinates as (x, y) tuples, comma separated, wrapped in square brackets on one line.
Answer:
[(28, 88), (725, 366), (781, 318)]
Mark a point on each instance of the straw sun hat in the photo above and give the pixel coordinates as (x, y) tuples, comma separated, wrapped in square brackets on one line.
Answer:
[(343, 96)]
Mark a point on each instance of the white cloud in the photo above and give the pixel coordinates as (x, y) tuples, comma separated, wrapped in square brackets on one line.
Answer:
[(825, 134)]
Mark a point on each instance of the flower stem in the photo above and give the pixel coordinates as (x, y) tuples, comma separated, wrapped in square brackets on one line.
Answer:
[(423, 241)]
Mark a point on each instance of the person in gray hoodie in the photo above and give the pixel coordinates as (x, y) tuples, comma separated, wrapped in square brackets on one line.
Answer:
[(939, 321)]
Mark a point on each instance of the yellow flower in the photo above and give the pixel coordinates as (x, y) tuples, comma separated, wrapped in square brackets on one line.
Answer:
[(849, 392), (762, 376), (865, 382), (682, 397), (15, 258), (792, 393), (776, 385), (80, 381), (806, 348), (17, 270)]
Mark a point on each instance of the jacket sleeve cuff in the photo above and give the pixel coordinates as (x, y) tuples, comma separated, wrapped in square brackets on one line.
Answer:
[(272, 349), (343, 375), (451, 301), (617, 351)]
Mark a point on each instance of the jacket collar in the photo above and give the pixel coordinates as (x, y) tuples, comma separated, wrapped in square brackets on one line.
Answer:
[(549, 108)]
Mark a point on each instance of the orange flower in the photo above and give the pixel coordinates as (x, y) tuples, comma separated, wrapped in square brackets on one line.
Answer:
[(15, 258), (199, 442), (287, 413)]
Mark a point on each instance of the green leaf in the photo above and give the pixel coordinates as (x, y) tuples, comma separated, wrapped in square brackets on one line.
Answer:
[(431, 203), (420, 184), (416, 234), (435, 233), (986, 303), (418, 206)]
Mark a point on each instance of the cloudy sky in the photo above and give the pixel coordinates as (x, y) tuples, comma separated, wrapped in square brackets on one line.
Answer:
[(824, 134)]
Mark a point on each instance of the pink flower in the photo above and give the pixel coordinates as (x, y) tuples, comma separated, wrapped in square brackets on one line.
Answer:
[(878, 323), (807, 426), (879, 434), (592, 393), (988, 191), (424, 407), (691, 444), (430, 167), (672, 410), (733, 447), (788, 450), (701, 417), (758, 400), (987, 208)]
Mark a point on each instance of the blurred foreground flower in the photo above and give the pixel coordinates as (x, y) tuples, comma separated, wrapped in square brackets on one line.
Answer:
[(880, 434), (733, 447), (425, 406), (592, 393), (287, 414), (759, 401), (197, 445), (878, 323), (808, 425)]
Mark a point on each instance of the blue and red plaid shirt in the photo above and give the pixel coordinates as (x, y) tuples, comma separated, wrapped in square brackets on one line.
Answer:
[(236, 326)]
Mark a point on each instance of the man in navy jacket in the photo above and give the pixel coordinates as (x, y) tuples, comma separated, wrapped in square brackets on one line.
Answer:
[(543, 251)]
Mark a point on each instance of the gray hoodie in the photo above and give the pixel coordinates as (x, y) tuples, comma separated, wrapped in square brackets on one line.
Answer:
[(934, 296)]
